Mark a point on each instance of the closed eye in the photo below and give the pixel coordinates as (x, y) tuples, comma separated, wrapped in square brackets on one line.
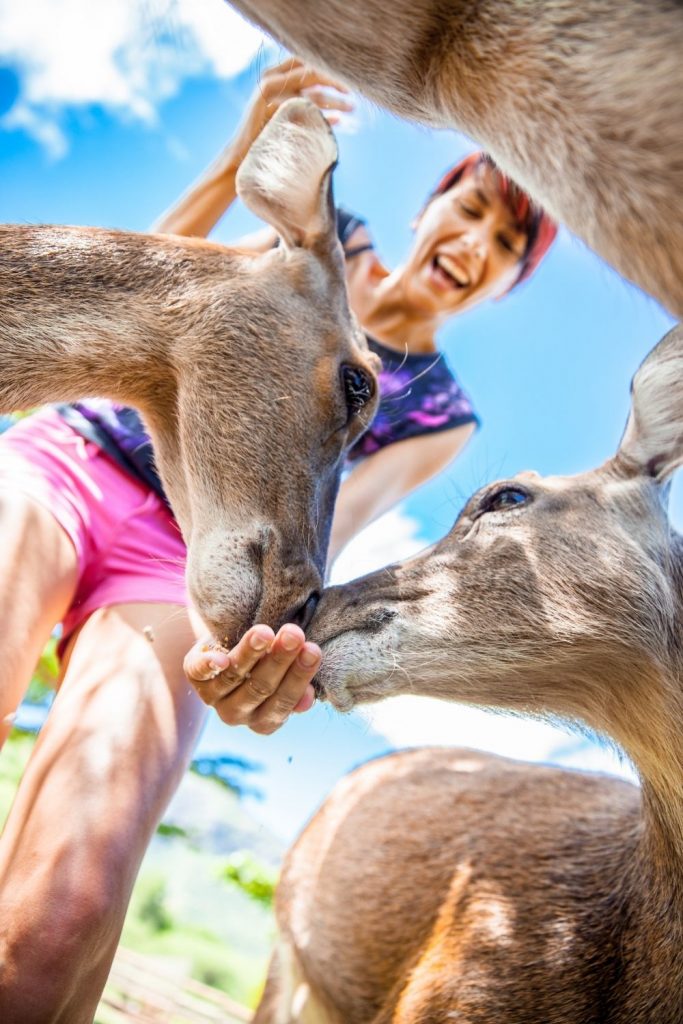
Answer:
[(359, 387), (470, 211), (503, 499), (514, 243)]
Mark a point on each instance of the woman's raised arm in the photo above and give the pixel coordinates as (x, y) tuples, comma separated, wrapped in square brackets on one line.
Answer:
[(199, 209), (388, 476)]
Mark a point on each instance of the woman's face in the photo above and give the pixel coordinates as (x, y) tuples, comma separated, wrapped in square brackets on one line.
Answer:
[(467, 247)]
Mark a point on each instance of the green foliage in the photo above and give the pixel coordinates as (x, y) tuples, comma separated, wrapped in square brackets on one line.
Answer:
[(172, 831), (45, 677), (254, 878), (15, 754), (151, 904), (202, 954)]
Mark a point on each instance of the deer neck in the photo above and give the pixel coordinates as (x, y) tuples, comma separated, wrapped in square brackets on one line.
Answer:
[(85, 312), (651, 732), (650, 983), (653, 886), (653, 735)]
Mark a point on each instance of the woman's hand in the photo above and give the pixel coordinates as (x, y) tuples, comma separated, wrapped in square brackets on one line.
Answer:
[(279, 84), (261, 681), (196, 212)]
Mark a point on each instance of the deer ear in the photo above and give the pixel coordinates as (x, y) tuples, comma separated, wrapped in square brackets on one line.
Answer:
[(286, 177), (653, 440)]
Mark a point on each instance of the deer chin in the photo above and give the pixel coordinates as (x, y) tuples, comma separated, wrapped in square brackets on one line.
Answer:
[(360, 667)]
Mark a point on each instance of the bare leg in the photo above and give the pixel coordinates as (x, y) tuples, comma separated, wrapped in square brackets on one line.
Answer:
[(117, 740), (37, 582)]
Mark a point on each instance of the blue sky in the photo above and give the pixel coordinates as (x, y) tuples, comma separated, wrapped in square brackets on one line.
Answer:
[(95, 131)]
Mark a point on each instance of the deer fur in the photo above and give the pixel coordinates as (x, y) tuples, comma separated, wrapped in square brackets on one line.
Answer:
[(581, 103), (447, 885), (233, 358)]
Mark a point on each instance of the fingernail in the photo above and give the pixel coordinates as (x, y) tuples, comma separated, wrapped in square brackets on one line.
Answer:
[(219, 660), (308, 657), (290, 640), (259, 642)]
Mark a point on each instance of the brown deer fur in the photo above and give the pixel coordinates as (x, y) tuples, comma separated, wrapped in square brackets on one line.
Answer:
[(233, 358), (581, 103), (441, 885)]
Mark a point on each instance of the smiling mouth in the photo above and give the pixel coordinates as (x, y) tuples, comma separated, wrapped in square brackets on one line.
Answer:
[(450, 271)]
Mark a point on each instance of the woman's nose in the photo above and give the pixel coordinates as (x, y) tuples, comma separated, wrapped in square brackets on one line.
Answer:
[(476, 244), (476, 239)]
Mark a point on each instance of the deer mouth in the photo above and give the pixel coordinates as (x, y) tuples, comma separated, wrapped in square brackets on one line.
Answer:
[(344, 651)]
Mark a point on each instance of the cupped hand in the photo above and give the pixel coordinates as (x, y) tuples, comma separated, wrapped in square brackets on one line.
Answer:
[(279, 84), (261, 681)]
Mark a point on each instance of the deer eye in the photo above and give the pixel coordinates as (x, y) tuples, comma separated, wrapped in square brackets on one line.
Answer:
[(358, 386), (503, 499)]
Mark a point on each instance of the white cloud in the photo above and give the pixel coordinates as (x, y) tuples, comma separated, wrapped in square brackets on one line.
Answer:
[(416, 721), (125, 55), (391, 538)]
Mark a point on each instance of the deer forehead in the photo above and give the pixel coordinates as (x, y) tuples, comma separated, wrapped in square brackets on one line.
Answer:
[(301, 287)]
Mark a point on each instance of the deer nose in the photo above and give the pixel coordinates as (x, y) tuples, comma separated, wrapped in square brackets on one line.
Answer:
[(302, 615)]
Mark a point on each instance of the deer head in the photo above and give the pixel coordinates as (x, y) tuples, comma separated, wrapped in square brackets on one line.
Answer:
[(555, 595), (250, 370)]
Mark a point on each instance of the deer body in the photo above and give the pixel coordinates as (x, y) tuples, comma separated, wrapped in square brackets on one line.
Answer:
[(225, 353), (447, 885), (581, 105), (481, 889)]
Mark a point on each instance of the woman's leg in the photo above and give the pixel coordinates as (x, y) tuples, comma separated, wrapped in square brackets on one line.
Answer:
[(38, 575), (110, 756)]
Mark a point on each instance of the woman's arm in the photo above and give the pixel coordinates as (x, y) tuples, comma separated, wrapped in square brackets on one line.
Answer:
[(388, 476), (205, 202)]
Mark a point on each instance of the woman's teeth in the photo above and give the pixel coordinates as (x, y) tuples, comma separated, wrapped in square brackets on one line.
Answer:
[(452, 270)]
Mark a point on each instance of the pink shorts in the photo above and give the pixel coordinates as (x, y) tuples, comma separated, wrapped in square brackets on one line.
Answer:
[(128, 545)]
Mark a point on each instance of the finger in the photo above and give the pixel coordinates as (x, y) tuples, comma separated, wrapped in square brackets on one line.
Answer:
[(327, 100), (290, 694), (286, 65), (248, 651), (237, 707), (204, 661), (306, 702), (216, 672), (309, 76), (284, 86)]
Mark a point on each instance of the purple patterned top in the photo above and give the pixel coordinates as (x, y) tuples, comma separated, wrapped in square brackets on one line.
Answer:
[(418, 395)]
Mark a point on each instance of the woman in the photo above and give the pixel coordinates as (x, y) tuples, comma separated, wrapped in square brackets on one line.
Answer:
[(89, 541)]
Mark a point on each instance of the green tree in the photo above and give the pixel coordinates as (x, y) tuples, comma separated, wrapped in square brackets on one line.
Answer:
[(252, 876)]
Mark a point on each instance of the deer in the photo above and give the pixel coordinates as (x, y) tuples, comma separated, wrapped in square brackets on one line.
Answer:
[(581, 105), (441, 885), (251, 373)]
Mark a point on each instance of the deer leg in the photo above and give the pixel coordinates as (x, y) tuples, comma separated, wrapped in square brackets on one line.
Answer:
[(117, 740), (287, 997), (37, 582)]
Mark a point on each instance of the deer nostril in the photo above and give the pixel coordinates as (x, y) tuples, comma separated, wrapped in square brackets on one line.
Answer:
[(304, 613)]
